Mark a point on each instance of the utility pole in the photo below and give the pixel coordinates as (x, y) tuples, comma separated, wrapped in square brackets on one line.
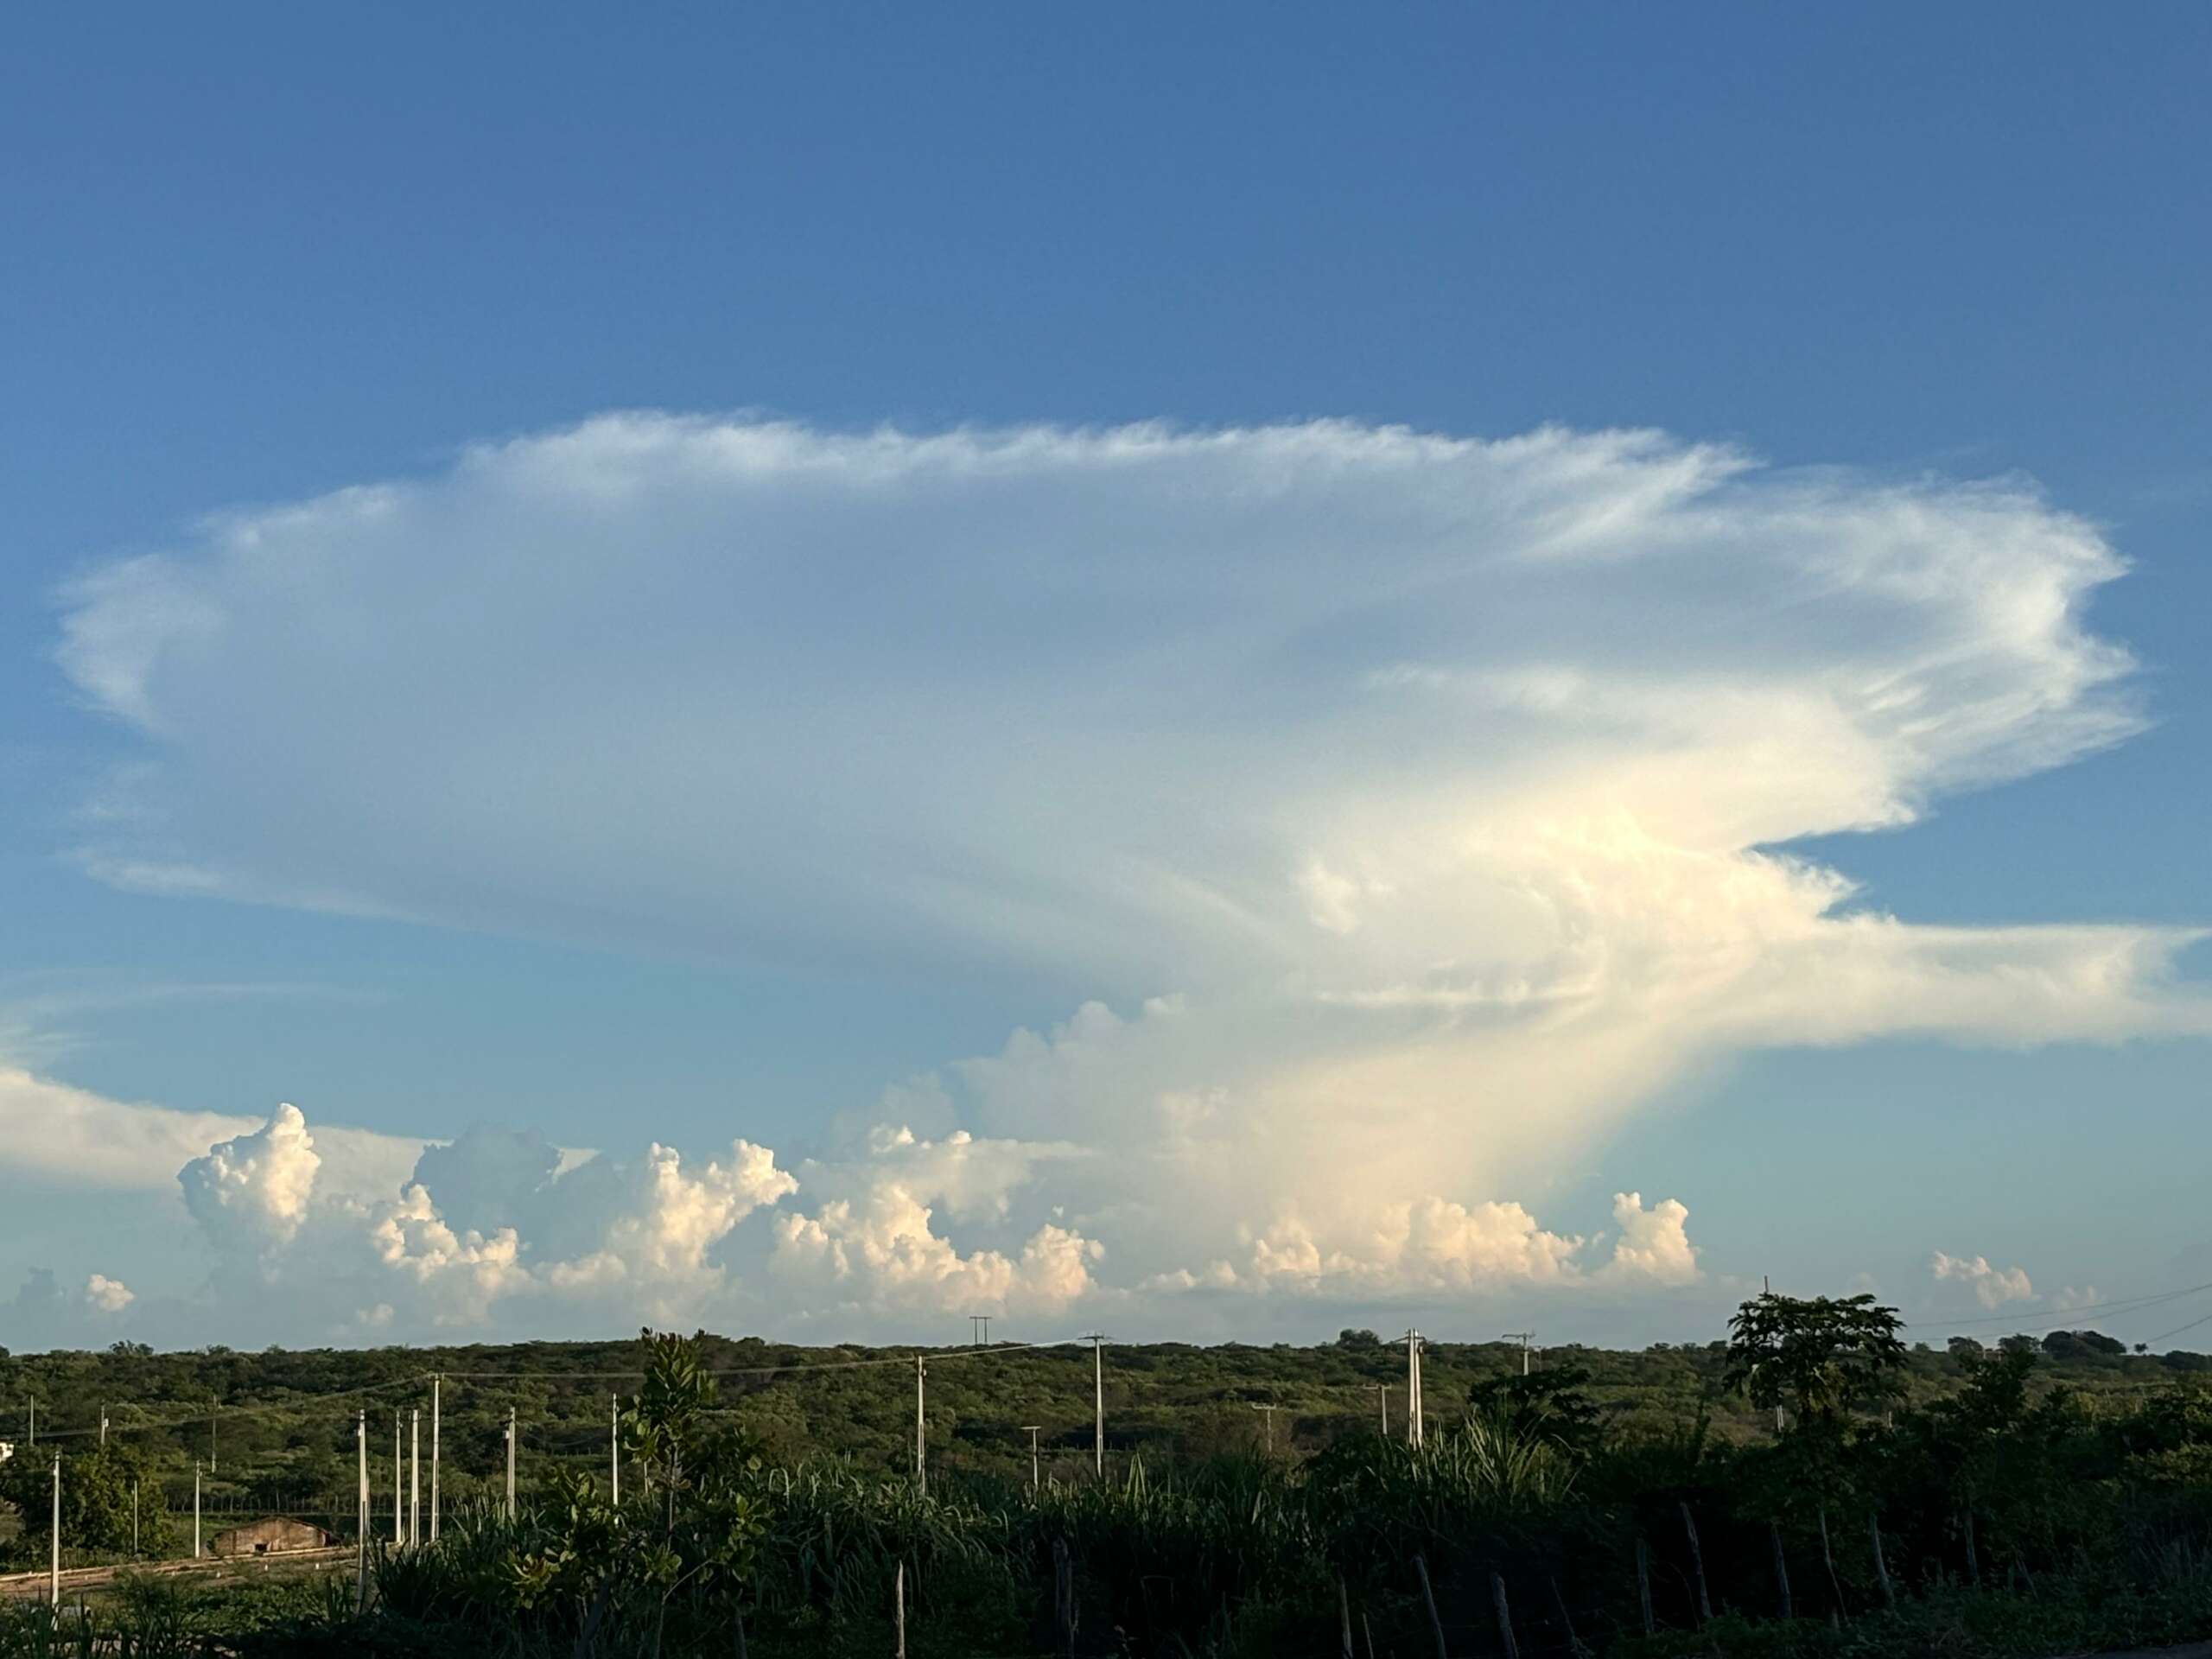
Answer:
[(54, 1559), (1270, 1412), (1098, 1399), (1382, 1399), (213, 1406), (415, 1476), (361, 1506), (34, 1420), (134, 1520), (614, 1447), (435, 1383), (103, 1422), (1413, 1388), (1033, 1428), (1524, 1337), (196, 1469), (511, 1463), (979, 1330), (921, 1426)]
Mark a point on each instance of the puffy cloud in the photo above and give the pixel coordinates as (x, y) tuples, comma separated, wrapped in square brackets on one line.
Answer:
[(253, 1189), (107, 1295), (1993, 1287), (1655, 1244)]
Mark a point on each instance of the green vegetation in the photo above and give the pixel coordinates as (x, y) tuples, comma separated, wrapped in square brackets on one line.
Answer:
[(2029, 1499)]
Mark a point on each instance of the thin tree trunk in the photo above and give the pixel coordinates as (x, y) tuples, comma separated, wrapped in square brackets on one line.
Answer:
[(1344, 1619), (1881, 1567), (1973, 1562), (1781, 1571)]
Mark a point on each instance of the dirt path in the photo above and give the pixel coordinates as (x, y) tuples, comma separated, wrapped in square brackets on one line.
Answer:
[(33, 1587)]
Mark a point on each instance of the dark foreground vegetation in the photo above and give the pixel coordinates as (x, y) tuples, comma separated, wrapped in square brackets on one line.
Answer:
[(2006, 1501)]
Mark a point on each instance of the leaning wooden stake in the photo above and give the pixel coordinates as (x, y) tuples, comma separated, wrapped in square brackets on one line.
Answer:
[(1504, 1616), (1428, 1599), (1643, 1585), (1827, 1560), (1881, 1567), (1575, 1643), (1697, 1563), (1781, 1571)]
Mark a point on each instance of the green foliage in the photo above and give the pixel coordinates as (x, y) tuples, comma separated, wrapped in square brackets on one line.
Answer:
[(1822, 1355)]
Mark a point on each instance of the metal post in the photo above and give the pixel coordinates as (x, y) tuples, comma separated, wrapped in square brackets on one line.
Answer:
[(435, 1384), (511, 1463), (921, 1425)]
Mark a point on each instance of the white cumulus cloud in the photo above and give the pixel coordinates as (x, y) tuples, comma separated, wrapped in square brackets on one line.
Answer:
[(1993, 1287)]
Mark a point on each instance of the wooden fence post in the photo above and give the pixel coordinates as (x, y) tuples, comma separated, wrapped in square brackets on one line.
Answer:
[(1697, 1562), (1429, 1599), (1644, 1583)]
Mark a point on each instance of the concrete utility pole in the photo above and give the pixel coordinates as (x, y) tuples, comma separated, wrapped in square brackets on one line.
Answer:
[(213, 1406), (1524, 1337), (361, 1502), (614, 1448), (134, 1520), (511, 1463), (1413, 1388), (415, 1476), (34, 1420), (435, 1383), (921, 1426), (1033, 1428), (1382, 1399), (196, 1469), (53, 1560), (1098, 1399), (1270, 1412), (398, 1515)]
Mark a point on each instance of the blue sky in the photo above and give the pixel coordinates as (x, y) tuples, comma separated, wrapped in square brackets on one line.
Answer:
[(253, 260)]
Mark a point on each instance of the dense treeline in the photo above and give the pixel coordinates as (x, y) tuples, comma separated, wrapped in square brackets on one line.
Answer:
[(2029, 1498), (275, 1430)]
